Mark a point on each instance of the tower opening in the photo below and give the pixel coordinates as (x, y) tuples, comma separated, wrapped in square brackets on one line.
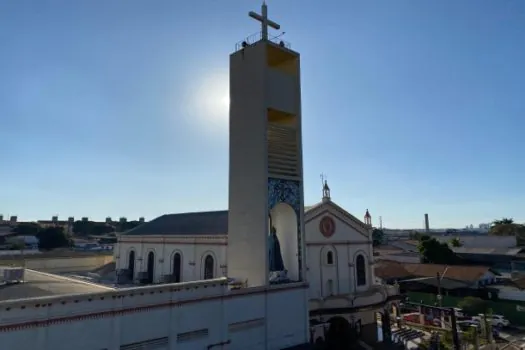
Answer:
[(284, 221)]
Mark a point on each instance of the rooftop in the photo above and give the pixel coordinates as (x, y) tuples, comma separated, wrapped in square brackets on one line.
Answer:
[(396, 270), (207, 223), (38, 284), (488, 251)]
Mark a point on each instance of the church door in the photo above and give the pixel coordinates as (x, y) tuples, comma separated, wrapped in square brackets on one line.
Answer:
[(131, 265), (151, 267), (208, 267), (177, 265)]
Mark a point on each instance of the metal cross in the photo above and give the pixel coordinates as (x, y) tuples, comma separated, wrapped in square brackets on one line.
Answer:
[(265, 22)]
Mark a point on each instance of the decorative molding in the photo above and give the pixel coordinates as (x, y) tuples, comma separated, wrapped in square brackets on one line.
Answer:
[(327, 226)]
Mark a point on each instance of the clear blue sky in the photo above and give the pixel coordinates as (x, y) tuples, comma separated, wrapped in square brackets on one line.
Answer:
[(116, 108)]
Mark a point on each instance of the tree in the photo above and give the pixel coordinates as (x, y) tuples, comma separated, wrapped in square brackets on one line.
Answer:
[(507, 227), (101, 229), (53, 237), (378, 237), (503, 221), (415, 235), (456, 242), (83, 228), (473, 305), (434, 252), (27, 229)]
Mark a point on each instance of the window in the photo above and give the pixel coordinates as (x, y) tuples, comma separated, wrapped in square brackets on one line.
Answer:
[(329, 258), (360, 268), (208, 267), (330, 287), (177, 265)]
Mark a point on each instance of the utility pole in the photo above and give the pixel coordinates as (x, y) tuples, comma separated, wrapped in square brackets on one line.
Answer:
[(439, 296)]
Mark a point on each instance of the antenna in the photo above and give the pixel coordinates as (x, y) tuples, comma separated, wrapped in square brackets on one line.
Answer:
[(323, 179)]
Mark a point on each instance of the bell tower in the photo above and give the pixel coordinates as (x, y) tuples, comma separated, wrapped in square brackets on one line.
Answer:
[(266, 170)]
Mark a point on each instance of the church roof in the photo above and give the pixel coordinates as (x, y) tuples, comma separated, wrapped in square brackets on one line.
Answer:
[(198, 223)]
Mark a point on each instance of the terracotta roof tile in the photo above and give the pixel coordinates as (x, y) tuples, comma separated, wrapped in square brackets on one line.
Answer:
[(390, 269)]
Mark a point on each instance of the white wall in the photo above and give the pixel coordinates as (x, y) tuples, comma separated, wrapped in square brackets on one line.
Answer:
[(346, 244), (203, 313), (192, 250)]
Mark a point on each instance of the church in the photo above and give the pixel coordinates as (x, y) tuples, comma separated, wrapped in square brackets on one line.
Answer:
[(267, 274), (339, 260)]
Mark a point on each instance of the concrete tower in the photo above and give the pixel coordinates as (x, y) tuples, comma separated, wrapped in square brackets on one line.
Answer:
[(266, 170), (427, 225)]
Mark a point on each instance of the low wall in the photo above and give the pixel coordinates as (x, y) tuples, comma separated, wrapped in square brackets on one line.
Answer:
[(185, 316), (70, 263), (19, 252)]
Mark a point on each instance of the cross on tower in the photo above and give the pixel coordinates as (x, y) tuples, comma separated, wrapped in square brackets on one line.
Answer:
[(265, 22)]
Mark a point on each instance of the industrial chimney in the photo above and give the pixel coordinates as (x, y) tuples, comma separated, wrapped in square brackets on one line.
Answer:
[(427, 226)]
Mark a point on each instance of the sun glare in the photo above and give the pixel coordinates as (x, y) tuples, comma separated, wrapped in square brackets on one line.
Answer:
[(226, 102), (211, 100)]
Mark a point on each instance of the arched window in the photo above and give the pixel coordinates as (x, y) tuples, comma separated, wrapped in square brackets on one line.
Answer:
[(360, 269), (329, 258), (131, 264), (177, 266), (208, 267), (151, 267)]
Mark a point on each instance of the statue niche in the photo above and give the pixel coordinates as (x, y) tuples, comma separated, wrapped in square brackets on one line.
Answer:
[(278, 273)]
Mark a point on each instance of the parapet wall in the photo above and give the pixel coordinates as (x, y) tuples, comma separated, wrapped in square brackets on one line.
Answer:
[(185, 316), (45, 309)]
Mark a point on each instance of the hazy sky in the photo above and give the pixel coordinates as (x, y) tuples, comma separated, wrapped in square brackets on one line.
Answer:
[(117, 107)]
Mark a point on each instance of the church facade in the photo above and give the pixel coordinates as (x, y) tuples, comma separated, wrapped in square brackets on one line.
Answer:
[(339, 260), (193, 246)]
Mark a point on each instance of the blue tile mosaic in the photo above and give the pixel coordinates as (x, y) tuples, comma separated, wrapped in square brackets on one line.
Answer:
[(285, 191)]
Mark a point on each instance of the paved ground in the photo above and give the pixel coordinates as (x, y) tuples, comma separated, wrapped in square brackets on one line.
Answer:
[(37, 284), (513, 335)]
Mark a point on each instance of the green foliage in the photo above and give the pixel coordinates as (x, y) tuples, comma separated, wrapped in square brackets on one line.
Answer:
[(473, 305), (507, 227), (27, 229), (378, 237), (456, 242), (87, 228), (53, 237), (503, 221), (17, 246), (416, 236), (434, 252)]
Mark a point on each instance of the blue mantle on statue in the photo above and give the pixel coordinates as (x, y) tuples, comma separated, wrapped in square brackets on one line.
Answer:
[(288, 192)]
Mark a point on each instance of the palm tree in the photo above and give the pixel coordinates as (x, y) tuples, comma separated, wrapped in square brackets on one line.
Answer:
[(507, 227), (503, 221)]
